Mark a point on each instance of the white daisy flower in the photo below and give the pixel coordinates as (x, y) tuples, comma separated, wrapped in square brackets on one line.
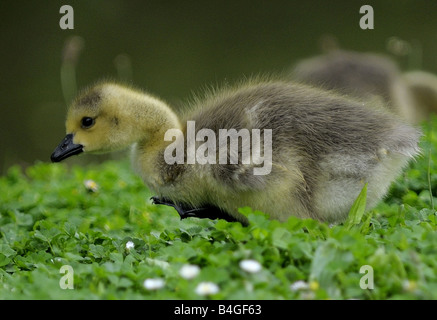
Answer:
[(91, 185), (207, 288), (130, 245), (189, 271), (409, 285), (153, 284), (251, 266), (299, 285)]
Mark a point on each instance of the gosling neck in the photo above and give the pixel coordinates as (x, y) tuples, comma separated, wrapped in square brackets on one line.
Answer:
[(150, 120), (148, 117), (153, 119)]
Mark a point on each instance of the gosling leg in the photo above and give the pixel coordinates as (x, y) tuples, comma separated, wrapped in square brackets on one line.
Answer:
[(208, 211)]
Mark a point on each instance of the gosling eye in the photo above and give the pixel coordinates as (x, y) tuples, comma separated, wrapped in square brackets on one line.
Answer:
[(87, 122)]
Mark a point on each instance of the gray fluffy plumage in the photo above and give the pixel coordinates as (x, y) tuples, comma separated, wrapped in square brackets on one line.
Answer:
[(325, 147)]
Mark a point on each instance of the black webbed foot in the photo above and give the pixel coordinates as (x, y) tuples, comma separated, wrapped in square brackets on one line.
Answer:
[(207, 211), (184, 211)]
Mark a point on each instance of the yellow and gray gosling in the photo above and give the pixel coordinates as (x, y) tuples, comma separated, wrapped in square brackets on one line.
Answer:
[(325, 147)]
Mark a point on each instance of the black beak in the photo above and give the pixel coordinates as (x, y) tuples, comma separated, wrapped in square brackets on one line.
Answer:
[(66, 149)]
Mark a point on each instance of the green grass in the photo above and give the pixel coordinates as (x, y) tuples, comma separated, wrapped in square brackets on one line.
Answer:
[(49, 218)]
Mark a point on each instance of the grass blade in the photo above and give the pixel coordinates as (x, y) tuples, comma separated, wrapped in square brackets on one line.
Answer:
[(357, 210)]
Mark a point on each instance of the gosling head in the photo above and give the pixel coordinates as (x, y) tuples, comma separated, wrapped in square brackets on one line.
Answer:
[(109, 117)]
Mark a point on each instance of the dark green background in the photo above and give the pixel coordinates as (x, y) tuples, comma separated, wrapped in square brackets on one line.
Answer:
[(176, 48)]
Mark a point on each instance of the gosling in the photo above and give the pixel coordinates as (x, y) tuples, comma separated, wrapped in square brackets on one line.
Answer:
[(325, 148), (364, 76), (422, 86)]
